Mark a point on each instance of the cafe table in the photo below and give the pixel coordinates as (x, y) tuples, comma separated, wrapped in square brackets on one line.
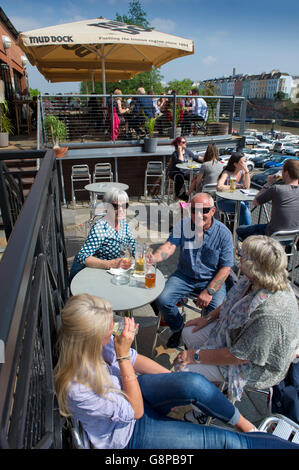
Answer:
[(190, 167), (237, 195), (123, 298), (99, 189)]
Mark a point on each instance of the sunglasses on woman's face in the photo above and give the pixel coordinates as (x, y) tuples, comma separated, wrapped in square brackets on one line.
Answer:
[(204, 210), (183, 142), (116, 206)]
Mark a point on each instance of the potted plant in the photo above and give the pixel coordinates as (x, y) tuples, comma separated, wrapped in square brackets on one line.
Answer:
[(178, 111), (58, 131), (6, 126), (150, 142)]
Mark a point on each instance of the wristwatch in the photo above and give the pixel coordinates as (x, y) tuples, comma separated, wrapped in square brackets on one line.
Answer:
[(196, 356), (211, 291)]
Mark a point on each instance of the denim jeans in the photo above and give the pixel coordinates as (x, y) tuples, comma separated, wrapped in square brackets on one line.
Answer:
[(178, 286), (230, 206), (245, 231), (155, 430)]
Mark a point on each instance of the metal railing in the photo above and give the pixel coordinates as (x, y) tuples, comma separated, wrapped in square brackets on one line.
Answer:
[(92, 118), (34, 288)]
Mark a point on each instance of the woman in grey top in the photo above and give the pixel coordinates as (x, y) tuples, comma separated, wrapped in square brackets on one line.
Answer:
[(252, 337), (209, 171)]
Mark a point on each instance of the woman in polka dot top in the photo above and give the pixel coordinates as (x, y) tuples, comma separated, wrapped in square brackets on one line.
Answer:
[(101, 249)]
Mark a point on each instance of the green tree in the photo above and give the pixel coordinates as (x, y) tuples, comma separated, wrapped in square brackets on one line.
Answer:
[(34, 92), (180, 86), (136, 15), (149, 80)]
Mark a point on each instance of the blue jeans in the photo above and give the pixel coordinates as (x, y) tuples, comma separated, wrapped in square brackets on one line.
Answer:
[(230, 206), (178, 286), (155, 430), (245, 231)]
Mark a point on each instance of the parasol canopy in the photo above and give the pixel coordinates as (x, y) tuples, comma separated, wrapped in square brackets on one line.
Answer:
[(100, 47)]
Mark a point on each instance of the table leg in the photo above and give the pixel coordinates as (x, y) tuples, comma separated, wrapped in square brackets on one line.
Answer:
[(236, 224)]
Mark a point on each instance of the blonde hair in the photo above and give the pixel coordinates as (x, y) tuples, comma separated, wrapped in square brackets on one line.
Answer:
[(265, 262), (86, 320)]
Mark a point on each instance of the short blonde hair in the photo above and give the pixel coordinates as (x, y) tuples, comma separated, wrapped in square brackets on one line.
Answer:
[(86, 321), (265, 263)]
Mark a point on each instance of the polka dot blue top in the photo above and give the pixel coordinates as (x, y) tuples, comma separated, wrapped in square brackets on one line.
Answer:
[(104, 241)]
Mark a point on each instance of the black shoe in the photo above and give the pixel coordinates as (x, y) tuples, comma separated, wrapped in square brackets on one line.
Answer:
[(174, 339)]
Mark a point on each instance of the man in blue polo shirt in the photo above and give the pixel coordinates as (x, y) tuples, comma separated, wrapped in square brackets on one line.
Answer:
[(206, 256)]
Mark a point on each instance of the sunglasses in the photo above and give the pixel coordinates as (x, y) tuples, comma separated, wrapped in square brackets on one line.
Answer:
[(204, 210), (183, 142), (241, 253), (116, 206)]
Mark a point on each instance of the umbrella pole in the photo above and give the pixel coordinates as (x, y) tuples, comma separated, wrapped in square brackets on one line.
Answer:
[(103, 74)]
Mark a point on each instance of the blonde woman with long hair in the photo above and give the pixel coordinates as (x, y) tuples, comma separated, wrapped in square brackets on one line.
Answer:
[(96, 382), (251, 339)]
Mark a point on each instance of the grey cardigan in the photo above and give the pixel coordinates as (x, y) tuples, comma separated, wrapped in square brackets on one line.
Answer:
[(269, 339)]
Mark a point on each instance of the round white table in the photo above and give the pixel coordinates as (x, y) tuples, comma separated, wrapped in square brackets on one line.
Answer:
[(238, 195), (98, 189), (98, 282), (190, 167)]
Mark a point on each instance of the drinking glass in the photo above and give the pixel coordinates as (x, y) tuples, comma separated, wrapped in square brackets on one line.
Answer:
[(150, 276), (118, 325), (233, 183), (139, 259)]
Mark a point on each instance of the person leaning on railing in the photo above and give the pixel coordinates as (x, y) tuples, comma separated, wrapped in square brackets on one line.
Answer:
[(101, 249), (96, 383)]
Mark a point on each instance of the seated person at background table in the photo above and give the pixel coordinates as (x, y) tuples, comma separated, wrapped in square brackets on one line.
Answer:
[(96, 383), (143, 104), (206, 256), (179, 175), (251, 339), (101, 249), (197, 111), (209, 170), (236, 167), (285, 202)]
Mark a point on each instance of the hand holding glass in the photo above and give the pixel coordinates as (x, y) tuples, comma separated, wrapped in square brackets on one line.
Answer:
[(118, 325)]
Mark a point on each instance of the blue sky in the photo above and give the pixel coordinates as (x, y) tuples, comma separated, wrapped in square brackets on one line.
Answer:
[(251, 36)]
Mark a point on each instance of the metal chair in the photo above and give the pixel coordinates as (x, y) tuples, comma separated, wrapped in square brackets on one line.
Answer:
[(210, 189), (79, 173), (227, 218), (154, 170), (282, 427), (171, 187), (102, 171), (289, 238), (79, 435)]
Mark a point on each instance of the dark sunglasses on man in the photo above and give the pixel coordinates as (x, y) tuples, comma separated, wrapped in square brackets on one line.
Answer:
[(204, 210)]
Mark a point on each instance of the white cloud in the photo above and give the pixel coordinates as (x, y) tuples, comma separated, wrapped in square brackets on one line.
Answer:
[(25, 24), (209, 60), (163, 25)]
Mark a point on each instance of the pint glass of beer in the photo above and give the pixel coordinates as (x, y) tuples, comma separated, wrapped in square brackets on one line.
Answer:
[(150, 276), (233, 183)]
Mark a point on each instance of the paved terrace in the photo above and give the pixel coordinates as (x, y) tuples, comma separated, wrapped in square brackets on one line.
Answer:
[(76, 229)]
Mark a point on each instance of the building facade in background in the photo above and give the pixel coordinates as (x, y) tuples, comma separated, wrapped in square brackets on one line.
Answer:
[(263, 86), (13, 75)]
